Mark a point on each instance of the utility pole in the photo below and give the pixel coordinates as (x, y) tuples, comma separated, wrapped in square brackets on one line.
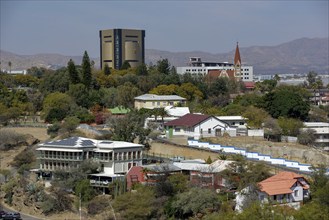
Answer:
[(80, 205)]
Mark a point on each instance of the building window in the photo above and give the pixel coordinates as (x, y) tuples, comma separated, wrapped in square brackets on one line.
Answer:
[(241, 123), (209, 130), (296, 193), (177, 129)]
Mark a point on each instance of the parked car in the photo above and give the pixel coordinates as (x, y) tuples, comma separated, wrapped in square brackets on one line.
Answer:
[(12, 216), (2, 214)]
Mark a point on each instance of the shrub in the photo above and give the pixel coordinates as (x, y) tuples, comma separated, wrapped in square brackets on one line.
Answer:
[(98, 205), (306, 137)]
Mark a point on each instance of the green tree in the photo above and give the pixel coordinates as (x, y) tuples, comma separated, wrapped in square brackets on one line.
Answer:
[(9, 64), (267, 85), (163, 66), (286, 101), (25, 157), (242, 173), (73, 73), (256, 116), (84, 189), (70, 123), (129, 128), (107, 70), (57, 81), (290, 126), (312, 211), (126, 94), (86, 70), (136, 205), (141, 70), (190, 92), (165, 90), (220, 86), (193, 203), (248, 99), (272, 129), (56, 106), (125, 65), (80, 94), (209, 160)]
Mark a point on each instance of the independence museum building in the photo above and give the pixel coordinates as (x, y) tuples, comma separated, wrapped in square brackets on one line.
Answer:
[(120, 45)]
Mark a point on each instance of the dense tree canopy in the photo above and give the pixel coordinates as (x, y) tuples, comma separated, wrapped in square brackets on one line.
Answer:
[(286, 102)]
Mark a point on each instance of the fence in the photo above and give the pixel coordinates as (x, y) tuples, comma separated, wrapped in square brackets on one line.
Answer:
[(251, 155)]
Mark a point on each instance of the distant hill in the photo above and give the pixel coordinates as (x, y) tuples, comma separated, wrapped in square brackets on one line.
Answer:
[(298, 56)]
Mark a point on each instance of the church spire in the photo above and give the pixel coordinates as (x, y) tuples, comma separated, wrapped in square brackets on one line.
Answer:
[(237, 63), (237, 58)]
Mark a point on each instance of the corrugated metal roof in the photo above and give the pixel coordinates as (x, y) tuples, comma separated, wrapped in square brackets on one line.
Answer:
[(188, 120), (153, 97)]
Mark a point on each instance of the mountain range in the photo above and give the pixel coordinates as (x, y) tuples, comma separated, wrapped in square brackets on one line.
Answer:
[(295, 57)]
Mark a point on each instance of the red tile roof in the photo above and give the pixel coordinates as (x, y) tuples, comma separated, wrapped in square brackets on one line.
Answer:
[(188, 120), (249, 85), (281, 183)]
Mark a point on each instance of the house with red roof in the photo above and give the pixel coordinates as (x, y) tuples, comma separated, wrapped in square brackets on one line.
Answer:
[(286, 188), (198, 126)]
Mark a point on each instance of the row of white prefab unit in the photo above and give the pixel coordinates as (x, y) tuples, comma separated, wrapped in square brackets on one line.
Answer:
[(251, 155)]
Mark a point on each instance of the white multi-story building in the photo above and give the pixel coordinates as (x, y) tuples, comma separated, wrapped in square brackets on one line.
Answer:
[(115, 157), (199, 68), (321, 132)]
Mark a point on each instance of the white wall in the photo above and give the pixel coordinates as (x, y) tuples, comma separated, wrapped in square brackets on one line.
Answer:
[(252, 155), (299, 197), (256, 132)]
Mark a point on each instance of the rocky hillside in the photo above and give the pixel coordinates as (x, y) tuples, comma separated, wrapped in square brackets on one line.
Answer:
[(298, 56)]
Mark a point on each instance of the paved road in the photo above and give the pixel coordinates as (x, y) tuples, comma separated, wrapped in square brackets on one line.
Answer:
[(23, 216)]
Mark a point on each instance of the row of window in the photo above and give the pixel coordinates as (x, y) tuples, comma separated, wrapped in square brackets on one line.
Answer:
[(163, 103), (58, 166), (61, 155)]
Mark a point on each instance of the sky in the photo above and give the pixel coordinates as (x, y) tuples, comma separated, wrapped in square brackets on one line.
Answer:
[(71, 27)]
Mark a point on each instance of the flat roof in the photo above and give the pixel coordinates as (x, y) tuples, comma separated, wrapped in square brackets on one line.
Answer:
[(117, 144), (106, 175), (153, 97), (59, 149), (231, 118), (316, 124)]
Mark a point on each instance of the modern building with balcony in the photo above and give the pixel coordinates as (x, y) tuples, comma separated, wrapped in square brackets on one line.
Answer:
[(115, 158), (321, 130)]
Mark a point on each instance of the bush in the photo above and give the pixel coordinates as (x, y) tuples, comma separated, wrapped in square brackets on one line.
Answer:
[(10, 139), (53, 129), (306, 137), (26, 157), (98, 205), (57, 201)]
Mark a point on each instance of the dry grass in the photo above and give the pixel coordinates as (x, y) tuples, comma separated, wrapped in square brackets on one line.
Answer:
[(290, 151), (39, 133)]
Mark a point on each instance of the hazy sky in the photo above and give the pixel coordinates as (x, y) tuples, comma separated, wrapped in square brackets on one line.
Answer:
[(70, 27)]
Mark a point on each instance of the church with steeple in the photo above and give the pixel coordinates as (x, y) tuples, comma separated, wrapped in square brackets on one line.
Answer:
[(212, 70), (237, 62)]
